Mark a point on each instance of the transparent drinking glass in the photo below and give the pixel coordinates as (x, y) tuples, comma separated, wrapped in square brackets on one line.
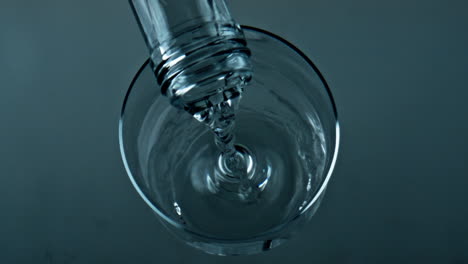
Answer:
[(288, 120)]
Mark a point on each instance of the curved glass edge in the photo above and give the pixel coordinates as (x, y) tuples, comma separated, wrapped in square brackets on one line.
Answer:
[(325, 181), (122, 150)]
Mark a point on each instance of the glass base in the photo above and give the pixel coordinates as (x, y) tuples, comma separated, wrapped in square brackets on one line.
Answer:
[(229, 249)]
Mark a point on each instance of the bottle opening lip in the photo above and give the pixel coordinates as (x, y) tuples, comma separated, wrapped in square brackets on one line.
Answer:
[(195, 68), (210, 61)]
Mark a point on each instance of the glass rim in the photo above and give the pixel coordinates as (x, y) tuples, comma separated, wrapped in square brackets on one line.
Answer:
[(156, 208)]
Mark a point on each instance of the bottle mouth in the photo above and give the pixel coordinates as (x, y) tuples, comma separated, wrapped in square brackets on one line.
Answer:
[(203, 66)]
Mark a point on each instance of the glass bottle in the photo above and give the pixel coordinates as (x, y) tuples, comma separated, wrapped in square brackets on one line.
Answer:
[(197, 51)]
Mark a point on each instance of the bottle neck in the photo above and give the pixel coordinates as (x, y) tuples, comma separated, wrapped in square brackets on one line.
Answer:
[(198, 52), (162, 20)]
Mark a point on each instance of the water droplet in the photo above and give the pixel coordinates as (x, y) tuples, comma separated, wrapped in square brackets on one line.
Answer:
[(177, 208)]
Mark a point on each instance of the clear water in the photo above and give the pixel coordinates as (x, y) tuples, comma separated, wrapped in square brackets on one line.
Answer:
[(234, 175), (249, 172)]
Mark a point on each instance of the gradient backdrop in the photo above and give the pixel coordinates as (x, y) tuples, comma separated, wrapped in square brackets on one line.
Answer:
[(399, 73)]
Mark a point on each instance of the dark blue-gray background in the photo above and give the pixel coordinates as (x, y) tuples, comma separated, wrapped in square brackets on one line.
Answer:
[(399, 73)]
